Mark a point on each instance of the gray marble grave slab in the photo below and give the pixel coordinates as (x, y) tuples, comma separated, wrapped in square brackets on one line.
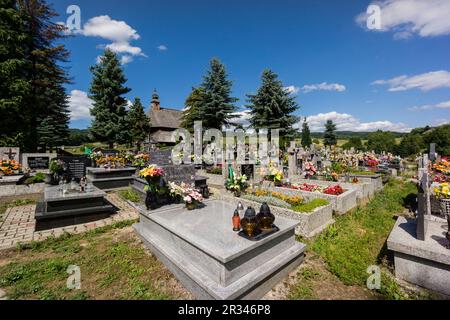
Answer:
[(212, 260), (424, 263)]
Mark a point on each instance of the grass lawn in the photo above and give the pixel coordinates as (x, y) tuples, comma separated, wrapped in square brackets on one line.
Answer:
[(113, 264), (357, 241)]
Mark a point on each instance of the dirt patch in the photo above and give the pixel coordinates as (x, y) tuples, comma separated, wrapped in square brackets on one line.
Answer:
[(312, 281)]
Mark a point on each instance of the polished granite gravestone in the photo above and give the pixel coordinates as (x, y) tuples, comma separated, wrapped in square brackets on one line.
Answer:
[(108, 179), (57, 209), (210, 259)]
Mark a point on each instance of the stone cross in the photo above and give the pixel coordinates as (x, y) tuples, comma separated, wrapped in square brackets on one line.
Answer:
[(292, 160), (424, 205)]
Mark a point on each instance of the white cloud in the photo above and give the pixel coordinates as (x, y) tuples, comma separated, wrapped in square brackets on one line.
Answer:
[(324, 87), (242, 117), (442, 105), (79, 105), (348, 122), (292, 89), (406, 17), (425, 82), (163, 47), (118, 32), (126, 59)]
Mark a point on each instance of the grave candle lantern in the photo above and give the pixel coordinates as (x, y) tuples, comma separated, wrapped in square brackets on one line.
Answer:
[(236, 221)]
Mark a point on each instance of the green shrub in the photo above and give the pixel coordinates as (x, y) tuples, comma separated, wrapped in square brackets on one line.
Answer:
[(130, 194), (38, 178), (311, 205)]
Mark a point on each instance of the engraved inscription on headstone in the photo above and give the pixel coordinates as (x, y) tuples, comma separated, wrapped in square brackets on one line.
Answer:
[(76, 166), (38, 163), (161, 158), (179, 173)]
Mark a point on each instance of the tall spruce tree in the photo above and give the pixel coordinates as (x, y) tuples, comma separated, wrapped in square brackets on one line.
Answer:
[(272, 106), (330, 138), (193, 108), (218, 106), (107, 90), (14, 85), (139, 123), (46, 98), (306, 135)]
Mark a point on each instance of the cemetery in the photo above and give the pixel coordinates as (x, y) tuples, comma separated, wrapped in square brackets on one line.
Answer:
[(135, 174), (245, 234)]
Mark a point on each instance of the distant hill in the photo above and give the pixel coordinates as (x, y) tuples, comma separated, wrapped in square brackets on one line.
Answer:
[(351, 134)]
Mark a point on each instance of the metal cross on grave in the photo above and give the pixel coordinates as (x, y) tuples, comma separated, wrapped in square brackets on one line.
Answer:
[(11, 154)]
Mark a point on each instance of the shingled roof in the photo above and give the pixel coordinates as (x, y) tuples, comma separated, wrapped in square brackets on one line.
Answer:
[(166, 118)]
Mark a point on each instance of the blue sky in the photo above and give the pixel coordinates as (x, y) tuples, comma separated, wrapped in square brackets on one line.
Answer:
[(395, 78)]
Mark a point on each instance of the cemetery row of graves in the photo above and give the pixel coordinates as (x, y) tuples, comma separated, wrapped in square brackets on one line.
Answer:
[(228, 230)]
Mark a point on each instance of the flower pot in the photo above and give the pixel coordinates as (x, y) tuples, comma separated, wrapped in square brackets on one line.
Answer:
[(191, 206), (151, 200), (237, 194)]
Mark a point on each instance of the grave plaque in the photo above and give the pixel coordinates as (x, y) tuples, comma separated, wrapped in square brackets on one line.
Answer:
[(179, 173), (248, 170), (161, 158), (76, 166), (38, 163)]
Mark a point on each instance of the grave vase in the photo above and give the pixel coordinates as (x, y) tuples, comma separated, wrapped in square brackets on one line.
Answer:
[(191, 206), (151, 200)]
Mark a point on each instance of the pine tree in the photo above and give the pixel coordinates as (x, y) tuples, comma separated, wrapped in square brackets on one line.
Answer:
[(49, 133), (306, 135), (218, 106), (330, 138), (272, 106), (139, 123), (193, 109), (14, 84), (46, 98), (107, 90)]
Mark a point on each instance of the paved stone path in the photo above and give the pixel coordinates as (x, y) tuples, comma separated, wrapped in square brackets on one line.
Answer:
[(18, 225)]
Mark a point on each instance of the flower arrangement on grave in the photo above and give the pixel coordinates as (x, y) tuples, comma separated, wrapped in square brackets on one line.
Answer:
[(111, 162), (334, 190), (153, 176), (10, 167), (141, 160), (95, 156), (442, 166), (237, 184), (186, 193), (272, 174), (310, 170), (441, 190)]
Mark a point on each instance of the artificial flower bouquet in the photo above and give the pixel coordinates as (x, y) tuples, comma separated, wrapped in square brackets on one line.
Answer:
[(140, 160), (310, 170), (153, 176), (332, 190), (237, 184), (186, 193), (441, 190), (10, 167)]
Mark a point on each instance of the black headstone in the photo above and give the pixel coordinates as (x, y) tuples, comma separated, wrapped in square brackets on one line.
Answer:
[(161, 158), (76, 166), (248, 170), (179, 173), (38, 163)]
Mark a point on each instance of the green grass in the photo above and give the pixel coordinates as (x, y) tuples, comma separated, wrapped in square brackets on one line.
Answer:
[(310, 206), (357, 240), (37, 178), (363, 173), (112, 267), (304, 289), (129, 194)]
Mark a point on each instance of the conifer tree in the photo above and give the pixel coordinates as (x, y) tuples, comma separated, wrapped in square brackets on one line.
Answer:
[(139, 123), (272, 106), (192, 110), (46, 98), (107, 90), (330, 138), (306, 135), (218, 106)]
